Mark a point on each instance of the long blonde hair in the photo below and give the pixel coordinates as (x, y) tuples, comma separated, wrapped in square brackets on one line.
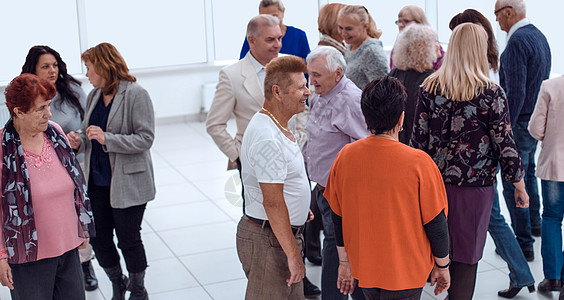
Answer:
[(464, 72), (362, 16)]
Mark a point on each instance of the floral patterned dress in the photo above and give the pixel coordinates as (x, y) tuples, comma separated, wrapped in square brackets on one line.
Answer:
[(467, 139)]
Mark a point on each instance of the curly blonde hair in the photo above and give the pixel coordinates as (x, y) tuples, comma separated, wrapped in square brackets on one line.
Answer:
[(415, 48)]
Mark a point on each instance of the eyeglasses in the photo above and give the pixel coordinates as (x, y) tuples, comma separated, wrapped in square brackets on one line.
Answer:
[(403, 21), (497, 11)]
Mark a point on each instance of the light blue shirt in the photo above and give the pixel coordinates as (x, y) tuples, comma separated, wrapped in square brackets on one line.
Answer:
[(521, 23)]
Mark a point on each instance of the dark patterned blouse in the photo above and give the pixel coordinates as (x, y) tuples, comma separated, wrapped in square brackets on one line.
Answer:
[(467, 139)]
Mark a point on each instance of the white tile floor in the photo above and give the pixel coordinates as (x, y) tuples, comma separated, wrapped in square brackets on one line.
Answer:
[(189, 229)]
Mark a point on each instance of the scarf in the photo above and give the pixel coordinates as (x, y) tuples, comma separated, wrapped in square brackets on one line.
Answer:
[(17, 206)]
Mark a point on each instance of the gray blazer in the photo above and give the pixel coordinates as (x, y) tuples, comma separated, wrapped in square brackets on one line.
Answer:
[(130, 132)]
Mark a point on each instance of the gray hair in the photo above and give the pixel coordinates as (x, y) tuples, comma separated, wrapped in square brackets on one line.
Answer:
[(415, 48), (333, 58), (518, 6), (253, 28), (266, 3)]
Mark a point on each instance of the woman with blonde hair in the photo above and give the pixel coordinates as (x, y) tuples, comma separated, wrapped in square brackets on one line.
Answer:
[(462, 122), (365, 55), (327, 26), (415, 52), (117, 134), (412, 14)]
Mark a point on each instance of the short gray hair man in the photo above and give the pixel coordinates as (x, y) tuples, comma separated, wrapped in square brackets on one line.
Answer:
[(517, 5), (255, 24), (333, 58)]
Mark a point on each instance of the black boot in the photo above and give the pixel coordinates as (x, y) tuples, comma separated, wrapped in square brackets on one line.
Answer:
[(90, 281), (137, 286), (119, 282)]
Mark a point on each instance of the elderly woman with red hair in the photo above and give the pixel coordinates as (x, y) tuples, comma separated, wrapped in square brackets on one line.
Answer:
[(45, 213)]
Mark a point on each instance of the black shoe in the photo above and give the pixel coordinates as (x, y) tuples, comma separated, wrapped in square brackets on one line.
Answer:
[(550, 285), (137, 286), (513, 291), (561, 296), (310, 290), (529, 254), (90, 280), (119, 282), (316, 259), (536, 231)]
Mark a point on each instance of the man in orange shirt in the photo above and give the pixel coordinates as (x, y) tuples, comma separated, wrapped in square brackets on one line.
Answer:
[(389, 206)]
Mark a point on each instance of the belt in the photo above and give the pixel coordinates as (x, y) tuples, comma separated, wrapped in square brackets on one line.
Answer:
[(265, 224)]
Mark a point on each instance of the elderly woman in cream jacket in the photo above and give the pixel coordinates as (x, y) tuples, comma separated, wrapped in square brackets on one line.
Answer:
[(546, 125)]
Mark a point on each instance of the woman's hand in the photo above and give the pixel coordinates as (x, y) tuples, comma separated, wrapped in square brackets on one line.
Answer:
[(74, 139), (442, 278), (84, 244), (96, 133), (345, 281), (6, 274), (521, 196)]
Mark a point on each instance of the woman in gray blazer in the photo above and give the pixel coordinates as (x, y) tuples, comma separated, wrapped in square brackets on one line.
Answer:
[(116, 135)]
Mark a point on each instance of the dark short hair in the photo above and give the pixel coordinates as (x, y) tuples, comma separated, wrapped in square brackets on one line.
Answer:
[(277, 71), (24, 89), (382, 102)]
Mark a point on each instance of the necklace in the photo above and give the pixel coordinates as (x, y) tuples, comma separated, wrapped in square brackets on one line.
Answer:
[(276, 121)]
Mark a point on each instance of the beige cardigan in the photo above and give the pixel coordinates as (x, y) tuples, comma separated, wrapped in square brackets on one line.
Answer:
[(547, 125)]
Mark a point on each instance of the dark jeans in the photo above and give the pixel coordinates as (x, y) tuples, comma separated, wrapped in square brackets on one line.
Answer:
[(377, 294), (522, 219), (312, 229), (127, 224), (49, 279), (330, 262)]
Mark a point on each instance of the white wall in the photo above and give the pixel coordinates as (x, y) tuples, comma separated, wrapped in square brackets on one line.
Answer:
[(174, 47)]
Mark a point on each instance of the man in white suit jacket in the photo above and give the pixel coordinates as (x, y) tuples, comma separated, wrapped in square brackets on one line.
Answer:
[(239, 91)]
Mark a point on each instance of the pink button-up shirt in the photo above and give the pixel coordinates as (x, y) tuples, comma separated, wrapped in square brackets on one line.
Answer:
[(334, 120)]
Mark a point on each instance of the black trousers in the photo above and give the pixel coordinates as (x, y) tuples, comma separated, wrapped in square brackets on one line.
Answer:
[(312, 229), (49, 279), (377, 294), (127, 224)]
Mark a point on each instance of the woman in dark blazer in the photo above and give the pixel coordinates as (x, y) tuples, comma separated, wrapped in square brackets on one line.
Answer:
[(116, 136)]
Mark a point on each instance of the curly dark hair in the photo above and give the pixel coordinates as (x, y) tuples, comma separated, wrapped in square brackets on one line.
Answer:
[(63, 79)]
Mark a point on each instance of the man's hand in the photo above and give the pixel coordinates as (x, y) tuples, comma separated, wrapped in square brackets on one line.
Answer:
[(297, 270), (310, 216), (521, 197)]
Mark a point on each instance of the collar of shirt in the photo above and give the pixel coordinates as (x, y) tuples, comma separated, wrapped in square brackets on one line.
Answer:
[(259, 70), (521, 23), (256, 64), (335, 90)]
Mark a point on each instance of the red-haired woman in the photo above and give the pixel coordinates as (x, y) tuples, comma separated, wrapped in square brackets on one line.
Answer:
[(117, 133), (45, 211)]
